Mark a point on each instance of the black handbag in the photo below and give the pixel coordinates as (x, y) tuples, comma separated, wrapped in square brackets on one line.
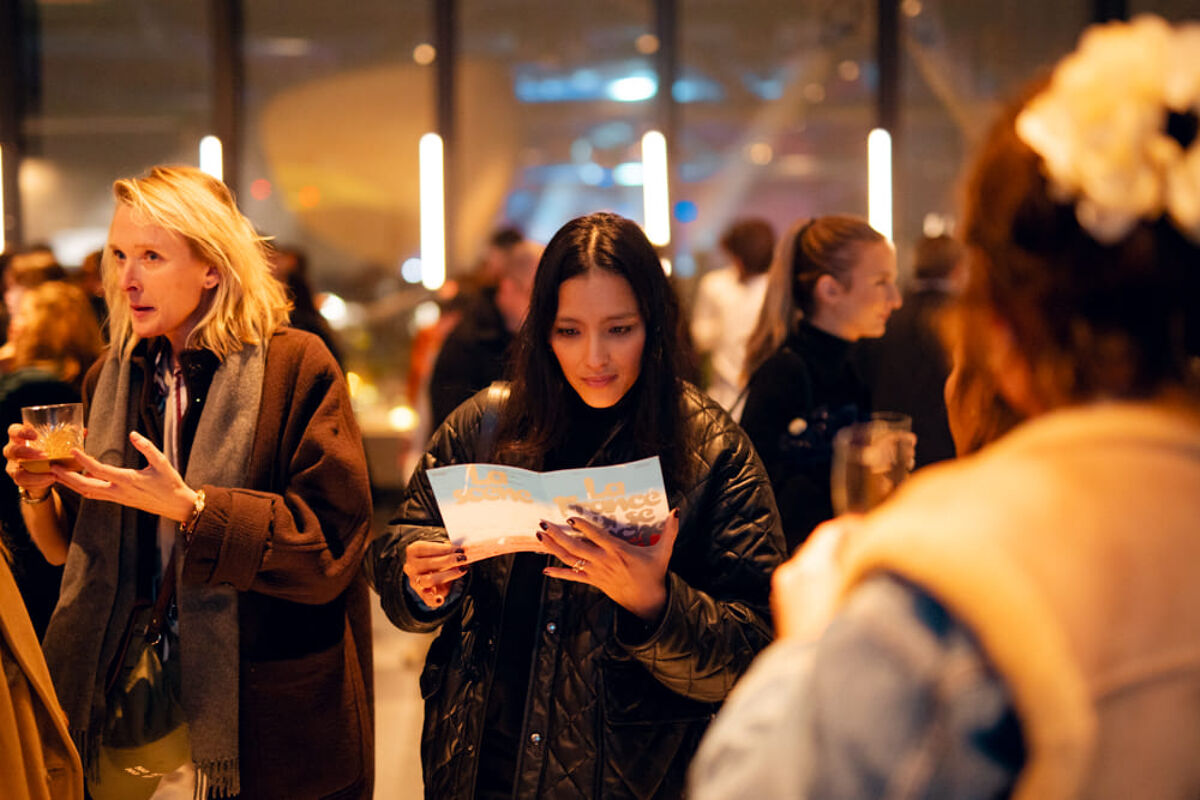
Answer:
[(145, 734)]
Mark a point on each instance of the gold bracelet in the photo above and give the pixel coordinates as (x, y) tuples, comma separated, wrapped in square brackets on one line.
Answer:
[(190, 524), (29, 499)]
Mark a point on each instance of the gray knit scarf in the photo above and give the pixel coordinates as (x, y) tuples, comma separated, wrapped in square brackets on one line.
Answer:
[(100, 581)]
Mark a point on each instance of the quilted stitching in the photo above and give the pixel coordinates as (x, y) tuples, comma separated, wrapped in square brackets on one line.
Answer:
[(616, 719)]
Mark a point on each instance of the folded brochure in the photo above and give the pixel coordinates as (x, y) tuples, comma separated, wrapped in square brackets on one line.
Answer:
[(491, 509)]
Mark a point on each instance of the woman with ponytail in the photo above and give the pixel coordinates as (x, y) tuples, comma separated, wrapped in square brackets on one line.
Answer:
[(833, 282)]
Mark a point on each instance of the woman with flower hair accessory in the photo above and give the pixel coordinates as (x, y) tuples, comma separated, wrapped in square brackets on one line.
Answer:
[(1025, 621)]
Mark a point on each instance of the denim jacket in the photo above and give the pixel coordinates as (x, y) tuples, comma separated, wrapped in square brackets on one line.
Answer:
[(896, 700)]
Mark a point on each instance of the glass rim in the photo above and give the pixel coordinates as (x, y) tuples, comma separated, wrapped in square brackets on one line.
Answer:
[(51, 405)]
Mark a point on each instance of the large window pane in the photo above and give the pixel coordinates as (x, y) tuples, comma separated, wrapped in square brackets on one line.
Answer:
[(776, 104), (552, 103), (961, 61), (335, 105), (123, 85)]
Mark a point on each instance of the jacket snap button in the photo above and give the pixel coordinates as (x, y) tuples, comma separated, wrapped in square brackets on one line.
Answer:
[(551, 627), (536, 738)]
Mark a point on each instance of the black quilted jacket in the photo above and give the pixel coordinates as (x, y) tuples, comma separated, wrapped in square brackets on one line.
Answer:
[(609, 714)]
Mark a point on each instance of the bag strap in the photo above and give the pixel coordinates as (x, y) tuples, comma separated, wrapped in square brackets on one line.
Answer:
[(154, 626), (166, 592), (497, 395)]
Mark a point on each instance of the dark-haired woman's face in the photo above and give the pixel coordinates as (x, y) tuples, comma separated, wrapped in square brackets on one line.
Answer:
[(598, 336)]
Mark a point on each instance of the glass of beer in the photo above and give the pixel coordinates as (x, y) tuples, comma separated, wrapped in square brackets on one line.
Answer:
[(870, 459), (59, 429)]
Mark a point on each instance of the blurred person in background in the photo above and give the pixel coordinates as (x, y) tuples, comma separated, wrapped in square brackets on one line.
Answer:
[(54, 339), (591, 672), (1025, 621), (91, 280), (728, 302), (476, 351), (907, 367), (290, 265), (28, 268), (217, 432), (24, 269), (38, 760), (832, 283), (426, 344), (491, 266)]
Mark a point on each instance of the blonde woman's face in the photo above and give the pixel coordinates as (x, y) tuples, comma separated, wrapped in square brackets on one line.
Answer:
[(860, 310), (165, 285)]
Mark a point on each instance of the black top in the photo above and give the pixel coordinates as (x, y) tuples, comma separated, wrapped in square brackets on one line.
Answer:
[(795, 403), (589, 429), (907, 371)]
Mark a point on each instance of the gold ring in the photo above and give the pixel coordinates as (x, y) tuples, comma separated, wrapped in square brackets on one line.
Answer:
[(579, 565)]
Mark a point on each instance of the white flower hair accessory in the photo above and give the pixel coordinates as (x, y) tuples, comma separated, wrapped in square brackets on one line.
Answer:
[(1116, 128)]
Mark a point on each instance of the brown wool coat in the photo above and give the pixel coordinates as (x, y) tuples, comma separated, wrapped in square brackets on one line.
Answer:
[(37, 759), (291, 542)]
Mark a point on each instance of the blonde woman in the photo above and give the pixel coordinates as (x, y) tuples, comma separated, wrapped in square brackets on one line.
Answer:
[(832, 283), (230, 436)]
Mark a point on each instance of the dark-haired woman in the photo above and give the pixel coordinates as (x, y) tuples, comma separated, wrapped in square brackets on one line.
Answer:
[(1025, 622), (832, 283), (594, 679)]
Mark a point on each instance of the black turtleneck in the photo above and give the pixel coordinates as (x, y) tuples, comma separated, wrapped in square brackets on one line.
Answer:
[(590, 431), (796, 401)]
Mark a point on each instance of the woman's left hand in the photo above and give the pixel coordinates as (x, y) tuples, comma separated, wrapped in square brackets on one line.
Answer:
[(633, 576), (804, 590), (157, 489)]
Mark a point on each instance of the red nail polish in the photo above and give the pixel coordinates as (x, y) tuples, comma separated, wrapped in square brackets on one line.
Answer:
[(538, 534), (571, 521), (543, 525)]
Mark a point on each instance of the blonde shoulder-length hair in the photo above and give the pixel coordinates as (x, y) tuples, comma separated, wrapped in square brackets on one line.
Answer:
[(248, 304)]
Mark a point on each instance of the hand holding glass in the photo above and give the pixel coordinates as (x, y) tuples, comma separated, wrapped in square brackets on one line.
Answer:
[(870, 459), (59, 429)]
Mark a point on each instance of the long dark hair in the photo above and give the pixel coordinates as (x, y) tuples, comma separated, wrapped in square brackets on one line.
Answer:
[(535, 418)]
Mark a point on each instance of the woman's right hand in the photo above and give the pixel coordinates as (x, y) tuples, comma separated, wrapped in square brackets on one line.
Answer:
[(17, 450), (432, 568)]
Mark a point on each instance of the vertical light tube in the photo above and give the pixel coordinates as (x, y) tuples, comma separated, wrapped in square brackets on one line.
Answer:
[(211, 157), (879, 181), (654, 188), (3, 242), (433, 212)]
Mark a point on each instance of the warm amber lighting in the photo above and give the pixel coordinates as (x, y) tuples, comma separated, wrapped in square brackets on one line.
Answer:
[(308, 196), (646, 44), (424, 54), (260, 189)]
